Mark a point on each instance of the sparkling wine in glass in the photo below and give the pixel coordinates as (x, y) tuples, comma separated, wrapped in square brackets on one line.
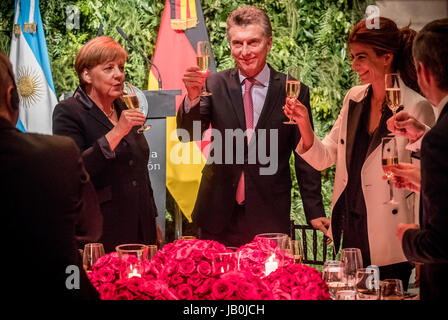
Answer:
[(129, 97), (203, 60), (389, 158), (292, 87), (294, 249), (393, 92)]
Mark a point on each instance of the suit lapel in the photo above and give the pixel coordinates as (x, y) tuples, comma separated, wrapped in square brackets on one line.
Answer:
[(273, 94), (236, 97), (353, 121)]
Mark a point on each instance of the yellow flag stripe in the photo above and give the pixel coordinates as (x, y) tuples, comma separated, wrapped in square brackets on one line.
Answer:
[(182, 179), (183, 9), (192, 4)]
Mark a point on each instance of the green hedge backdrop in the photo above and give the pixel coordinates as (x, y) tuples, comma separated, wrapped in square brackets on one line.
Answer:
[(311, 34)]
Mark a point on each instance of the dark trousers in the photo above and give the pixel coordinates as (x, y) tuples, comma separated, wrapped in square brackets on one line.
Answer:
[(235, 234)]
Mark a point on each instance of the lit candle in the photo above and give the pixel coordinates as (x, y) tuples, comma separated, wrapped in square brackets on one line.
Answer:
[(134, 273), (271, 265)]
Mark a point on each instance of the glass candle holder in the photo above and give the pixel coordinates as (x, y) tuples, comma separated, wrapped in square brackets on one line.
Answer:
[(273, 245), (223, 262), (132, 258)]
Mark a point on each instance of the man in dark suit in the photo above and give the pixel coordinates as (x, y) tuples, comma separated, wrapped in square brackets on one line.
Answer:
[(241, 192), (42, 189), (429, 243)]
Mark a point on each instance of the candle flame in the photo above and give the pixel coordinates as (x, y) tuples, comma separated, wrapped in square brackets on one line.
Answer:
[(134, 273)]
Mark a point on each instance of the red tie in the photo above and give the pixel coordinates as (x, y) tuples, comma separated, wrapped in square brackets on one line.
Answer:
[(249, 114)]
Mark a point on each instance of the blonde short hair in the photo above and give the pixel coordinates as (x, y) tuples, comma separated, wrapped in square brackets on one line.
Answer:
[(96, 51)]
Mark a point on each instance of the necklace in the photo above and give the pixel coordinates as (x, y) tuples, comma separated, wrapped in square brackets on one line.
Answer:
[(111, 112)]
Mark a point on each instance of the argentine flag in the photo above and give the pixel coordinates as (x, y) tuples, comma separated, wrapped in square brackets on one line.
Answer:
[(29, 58)]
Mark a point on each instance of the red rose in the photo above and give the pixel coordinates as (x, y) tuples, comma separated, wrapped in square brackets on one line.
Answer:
[(204, 268), (222, 289), (107, 291), (187, 266), (184, 292)]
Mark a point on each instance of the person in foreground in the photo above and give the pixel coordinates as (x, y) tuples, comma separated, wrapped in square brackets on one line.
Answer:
[(429, 243), (359, 213), (236, 200), (43, 190), (115, 155)]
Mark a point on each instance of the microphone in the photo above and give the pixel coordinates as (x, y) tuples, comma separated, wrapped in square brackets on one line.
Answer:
[(100, 30), (150, 63)]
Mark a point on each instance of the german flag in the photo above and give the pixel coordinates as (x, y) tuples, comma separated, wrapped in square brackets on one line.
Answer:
[(182, 26)]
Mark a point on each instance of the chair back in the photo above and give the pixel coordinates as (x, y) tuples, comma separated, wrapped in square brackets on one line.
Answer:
[(311, 245)]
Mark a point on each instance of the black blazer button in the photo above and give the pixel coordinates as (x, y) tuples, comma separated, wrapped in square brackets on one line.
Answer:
[(342, 141), (395, 211), (131, 163)]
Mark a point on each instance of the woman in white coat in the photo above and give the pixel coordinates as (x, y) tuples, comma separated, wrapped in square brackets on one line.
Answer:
[(359, 215)]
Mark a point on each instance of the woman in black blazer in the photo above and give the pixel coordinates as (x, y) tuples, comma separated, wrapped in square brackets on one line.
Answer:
[(115, 155)]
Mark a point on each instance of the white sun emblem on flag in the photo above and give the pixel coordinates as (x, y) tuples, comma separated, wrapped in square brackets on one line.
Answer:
[(29, 85)]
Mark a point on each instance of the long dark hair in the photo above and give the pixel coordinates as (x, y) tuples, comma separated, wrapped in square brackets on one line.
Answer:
[(388, 38)]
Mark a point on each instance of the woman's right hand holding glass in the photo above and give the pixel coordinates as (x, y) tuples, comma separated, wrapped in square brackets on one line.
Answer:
[(296, 110), (128, 120)]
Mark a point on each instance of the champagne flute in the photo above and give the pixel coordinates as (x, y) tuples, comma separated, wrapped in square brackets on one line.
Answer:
[(389, 158), (292, 87), (91, 253), (352, 260), (129, 97), (333, 275), (393, 92), (203, 59)]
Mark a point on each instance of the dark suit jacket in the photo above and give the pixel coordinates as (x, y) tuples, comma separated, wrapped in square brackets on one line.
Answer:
[(268, 197), (430, 244), (41, 187), (120, 177)]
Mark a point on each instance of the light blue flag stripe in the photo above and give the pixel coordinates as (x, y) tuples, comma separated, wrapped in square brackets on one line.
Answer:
[(20, 126), (36, 41)]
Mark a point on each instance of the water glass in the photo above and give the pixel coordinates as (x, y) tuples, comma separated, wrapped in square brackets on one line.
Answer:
[(333, 275), (367, 284), (346, 295), (352, 260), (392, 289), (91, 253)]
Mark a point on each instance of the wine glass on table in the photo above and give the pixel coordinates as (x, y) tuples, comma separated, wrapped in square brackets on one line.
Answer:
[(203, 60), (393, 92), (294, 249), (367, 284), (392, 289), (292, 87), (333, 275), (352, 261), (129, 97), (389, 158), (91, 253)]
